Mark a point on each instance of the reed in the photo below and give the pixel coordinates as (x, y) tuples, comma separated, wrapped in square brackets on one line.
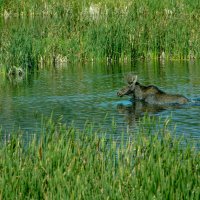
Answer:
[(38, 33), (67, 163)]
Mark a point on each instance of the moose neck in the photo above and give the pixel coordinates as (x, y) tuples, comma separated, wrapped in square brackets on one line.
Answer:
[(141, 92), (142, 87)]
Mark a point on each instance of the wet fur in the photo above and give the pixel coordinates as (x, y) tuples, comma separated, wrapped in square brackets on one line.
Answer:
[(150, 94)]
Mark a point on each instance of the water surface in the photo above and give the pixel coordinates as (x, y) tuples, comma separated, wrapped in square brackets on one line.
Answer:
[(88, 92)]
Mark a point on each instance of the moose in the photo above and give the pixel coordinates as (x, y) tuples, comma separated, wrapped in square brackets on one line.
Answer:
[(149, 94)]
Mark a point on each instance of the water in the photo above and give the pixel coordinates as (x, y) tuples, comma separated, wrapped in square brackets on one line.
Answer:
[(79, 93)]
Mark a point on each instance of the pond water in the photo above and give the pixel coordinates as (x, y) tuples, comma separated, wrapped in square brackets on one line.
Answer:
[(88, 92)]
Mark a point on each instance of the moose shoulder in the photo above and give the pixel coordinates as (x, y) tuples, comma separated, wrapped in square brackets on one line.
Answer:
[(149, 94)]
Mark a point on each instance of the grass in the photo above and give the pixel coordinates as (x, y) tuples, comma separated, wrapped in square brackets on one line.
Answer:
[(40, 33), (87, 164), (67, 163)]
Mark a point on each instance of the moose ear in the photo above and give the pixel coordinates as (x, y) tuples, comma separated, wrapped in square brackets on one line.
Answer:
[(135, 79), (131, 79)]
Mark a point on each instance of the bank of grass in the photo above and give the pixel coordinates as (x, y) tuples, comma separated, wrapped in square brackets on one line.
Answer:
[(66, 163), (40, 33)]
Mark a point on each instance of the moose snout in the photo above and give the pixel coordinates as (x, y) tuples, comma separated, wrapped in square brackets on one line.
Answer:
[(123, 91), (119, 94)]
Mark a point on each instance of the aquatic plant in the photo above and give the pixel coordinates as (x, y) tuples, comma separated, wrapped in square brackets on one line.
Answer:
[(68, 163), (15, 71), (50, 32)]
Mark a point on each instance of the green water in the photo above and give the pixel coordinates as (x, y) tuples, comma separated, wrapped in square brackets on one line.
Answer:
[(88, 92)]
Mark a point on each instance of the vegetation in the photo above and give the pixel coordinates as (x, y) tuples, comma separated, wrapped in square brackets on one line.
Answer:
[(66, 163), (38, 33)]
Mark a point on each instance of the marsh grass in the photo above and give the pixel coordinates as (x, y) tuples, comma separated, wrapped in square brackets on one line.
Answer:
[(3, 72), (41, 33), (67, 163)]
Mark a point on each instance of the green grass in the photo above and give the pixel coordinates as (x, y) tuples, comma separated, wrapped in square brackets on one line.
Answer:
[(67, 163), (40, 33)]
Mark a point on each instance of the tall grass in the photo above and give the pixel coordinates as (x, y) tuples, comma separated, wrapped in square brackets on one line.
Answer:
[(67, 163), (49, 32)]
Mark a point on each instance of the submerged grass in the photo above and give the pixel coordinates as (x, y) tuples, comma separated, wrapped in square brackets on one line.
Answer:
[(67, 163), (38, 33)]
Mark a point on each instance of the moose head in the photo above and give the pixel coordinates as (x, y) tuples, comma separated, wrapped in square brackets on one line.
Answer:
[(129, 89)]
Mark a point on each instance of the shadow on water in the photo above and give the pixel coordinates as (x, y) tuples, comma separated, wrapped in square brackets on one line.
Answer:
[(134, 110), (138, 109)]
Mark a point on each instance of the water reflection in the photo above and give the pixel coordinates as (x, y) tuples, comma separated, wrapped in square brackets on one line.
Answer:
[(138, 109), (135, 111)]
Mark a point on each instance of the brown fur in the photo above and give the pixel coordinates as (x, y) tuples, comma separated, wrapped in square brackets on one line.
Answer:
[(149, 94)]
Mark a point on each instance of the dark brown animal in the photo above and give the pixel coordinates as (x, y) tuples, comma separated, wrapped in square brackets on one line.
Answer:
[(149, 94)]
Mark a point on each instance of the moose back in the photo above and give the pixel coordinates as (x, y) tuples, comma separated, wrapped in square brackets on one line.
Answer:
[(149, 94)]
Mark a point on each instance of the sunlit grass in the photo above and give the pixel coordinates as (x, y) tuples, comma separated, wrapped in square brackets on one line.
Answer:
[(3, 71), (67, 163), (40, 33)]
